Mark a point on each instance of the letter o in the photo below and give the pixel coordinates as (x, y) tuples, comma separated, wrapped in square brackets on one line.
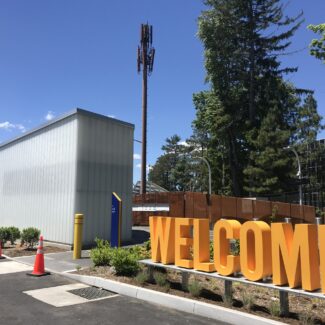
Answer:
[(255, 250)]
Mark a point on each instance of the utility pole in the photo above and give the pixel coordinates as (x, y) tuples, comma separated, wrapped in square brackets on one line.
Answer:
[(145, 60)]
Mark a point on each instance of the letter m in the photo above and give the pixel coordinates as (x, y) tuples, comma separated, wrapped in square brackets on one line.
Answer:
[(295, 257)]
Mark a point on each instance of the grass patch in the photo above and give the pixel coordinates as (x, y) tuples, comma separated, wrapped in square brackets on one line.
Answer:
[(195, 288)]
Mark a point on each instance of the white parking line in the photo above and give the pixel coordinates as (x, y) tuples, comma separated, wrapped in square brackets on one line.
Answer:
[(13, 267)]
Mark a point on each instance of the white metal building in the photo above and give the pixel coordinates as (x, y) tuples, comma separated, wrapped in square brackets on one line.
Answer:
[(70, 165)]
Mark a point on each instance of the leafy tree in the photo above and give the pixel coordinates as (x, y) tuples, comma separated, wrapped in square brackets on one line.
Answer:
[(178, 168), (250, 113), (160, 172), (317, 46), (168, 166)]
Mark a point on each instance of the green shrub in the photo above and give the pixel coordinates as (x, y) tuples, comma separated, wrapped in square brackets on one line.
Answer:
[(139, 251), (195, 288), (14, 234), (147, 245), (136, 251), (142, 277), (30, 236), (160, 278), (4, 235), (124, 262), (235, 247), (274, 308), (211, 251), (102, 254)]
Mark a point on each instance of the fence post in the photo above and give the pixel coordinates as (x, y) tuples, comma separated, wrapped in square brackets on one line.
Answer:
[(228, 290), (284, 296), (185, 277), (284, 303), (319, 221), (150, 273)]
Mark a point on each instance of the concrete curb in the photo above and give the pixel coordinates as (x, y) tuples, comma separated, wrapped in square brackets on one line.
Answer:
[(226, 315)]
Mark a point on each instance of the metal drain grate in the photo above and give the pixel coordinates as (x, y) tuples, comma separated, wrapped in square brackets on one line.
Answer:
[(91, 293)]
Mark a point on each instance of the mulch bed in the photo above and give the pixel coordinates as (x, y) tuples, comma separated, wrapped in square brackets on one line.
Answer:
[(18, 251), (303, 310)]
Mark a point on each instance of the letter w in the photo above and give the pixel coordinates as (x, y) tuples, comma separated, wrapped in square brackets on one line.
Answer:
[(162, 237)]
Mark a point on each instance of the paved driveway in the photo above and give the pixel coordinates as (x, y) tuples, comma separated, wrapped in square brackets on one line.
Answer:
[(17, 307)]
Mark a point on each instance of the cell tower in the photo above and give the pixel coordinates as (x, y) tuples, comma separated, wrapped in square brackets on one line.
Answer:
[(146, 56)]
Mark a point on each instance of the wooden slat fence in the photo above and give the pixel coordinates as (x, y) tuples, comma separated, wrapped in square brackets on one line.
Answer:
[(214, 207)]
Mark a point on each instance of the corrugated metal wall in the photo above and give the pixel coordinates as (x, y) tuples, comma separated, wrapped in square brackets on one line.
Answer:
[(37, 180), (105, 165), (70, 166)]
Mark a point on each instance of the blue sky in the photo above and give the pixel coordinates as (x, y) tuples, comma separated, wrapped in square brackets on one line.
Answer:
[(62, 54)]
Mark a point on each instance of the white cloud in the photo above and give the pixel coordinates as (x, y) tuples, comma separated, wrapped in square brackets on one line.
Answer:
[(10, 126), (7, 125), (111, 116), (49, 116), (21, 128), (136, 156), (149, 167), (183, 143)]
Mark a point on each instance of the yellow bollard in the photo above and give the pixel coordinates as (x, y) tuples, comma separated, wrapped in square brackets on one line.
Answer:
[(77, 241)]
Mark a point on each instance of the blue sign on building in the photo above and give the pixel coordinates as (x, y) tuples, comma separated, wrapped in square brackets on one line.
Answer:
[(116, 220)]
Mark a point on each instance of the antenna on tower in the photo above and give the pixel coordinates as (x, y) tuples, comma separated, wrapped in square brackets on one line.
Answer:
[(145, 61)]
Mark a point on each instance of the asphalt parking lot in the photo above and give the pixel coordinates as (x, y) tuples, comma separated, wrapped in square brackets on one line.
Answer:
[(17, 307)]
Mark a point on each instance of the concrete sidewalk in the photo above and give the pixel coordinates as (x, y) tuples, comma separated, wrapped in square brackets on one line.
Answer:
[(59, 262)]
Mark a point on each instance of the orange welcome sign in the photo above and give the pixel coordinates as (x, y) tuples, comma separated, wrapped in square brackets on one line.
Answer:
[(293, 257)]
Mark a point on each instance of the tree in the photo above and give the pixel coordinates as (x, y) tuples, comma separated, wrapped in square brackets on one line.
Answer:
[(178, 168), (250, 113), (317, 46), (170, 169)]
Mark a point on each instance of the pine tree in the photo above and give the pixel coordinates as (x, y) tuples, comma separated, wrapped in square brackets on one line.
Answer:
[(250, 109), (317, 46)]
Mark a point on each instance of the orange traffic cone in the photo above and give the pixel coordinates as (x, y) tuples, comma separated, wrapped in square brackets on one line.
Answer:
[(39, 261), (1, 257)]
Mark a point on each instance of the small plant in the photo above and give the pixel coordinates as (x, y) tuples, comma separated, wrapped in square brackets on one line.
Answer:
[(320, 213), (248, 300), (139, 251), (214, 285), (4, 235), (102, 254), (124, 262), (235, 247), (136, 251), (274, 308), (78, 268), (227, 300), (274, 214), (211, 250), (14, 234), (147, 245), (160, 278), (142, 277), (307, 318), (30, 236), (195, 288)]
